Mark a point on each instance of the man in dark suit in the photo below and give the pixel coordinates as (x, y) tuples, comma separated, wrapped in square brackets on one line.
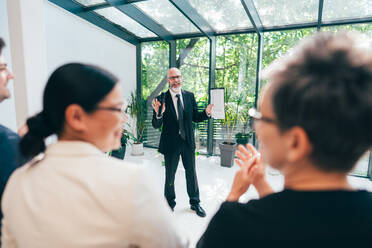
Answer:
[(177, 137), (10, 156)]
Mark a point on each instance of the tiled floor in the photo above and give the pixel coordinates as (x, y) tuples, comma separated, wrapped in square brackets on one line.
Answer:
[(214, 184)]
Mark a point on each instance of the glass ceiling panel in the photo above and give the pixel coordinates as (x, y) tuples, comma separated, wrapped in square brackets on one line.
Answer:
[(284, 12), (163, 12), (223, 15), (90, 2), (115, 16), (341, 9)]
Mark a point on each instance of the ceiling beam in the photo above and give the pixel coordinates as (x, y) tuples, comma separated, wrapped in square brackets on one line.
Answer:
[(114, 3), (193, 16), (252, 13), (97, 20), (143, 19)]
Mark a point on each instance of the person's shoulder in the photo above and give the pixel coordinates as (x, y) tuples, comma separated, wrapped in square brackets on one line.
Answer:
[(266, 206), (186, 92), (7, 134), (363, 199), (21, 171)]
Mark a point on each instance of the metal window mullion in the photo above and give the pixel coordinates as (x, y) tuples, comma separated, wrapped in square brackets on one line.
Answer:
[(138, 75), (172, 53), (258, 72), (369, 175), (320, 14), (212, 84), (139, 72)]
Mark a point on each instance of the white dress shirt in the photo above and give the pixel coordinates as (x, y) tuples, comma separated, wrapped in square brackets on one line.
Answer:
[(76, 196)]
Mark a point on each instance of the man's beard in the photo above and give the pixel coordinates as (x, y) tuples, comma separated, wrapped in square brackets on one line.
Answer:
[(175, 89)]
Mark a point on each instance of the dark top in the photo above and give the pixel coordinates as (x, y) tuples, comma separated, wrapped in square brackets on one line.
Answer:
[(294, 219), (10, 157), (170, 131)]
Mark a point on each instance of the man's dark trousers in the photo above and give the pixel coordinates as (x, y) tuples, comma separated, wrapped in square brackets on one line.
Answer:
[(171, 164)]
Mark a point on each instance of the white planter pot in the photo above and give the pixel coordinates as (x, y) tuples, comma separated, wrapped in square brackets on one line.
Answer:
[(137, 149)]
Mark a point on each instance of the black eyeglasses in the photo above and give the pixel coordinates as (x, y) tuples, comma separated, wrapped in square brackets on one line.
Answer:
[(119, 110), (174, 77), (257, 116)]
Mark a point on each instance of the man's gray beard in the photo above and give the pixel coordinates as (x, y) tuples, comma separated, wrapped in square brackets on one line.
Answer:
[(175, 90)]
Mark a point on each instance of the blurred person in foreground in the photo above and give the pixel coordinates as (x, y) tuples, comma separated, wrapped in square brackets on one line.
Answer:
[(315, 122), (73, 195), (10, 157)]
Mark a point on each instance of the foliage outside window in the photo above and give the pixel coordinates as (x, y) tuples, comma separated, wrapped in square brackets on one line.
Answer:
[(155, 63), (195, 77)]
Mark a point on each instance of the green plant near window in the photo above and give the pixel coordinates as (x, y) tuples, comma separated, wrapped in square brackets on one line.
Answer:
[(231, 117), (236, 116), (127, 136), (137, 108)]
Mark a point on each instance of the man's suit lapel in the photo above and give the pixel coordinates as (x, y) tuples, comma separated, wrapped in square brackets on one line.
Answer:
[(185, 99), (171, 105)]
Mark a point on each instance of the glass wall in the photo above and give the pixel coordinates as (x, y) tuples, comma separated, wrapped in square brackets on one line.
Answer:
[(236, 62), (193, 55), (277, 44), (155, 63)]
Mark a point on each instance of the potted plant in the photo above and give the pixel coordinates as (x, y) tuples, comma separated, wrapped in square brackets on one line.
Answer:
[(245, 132), (125, 138), (137, 109), (228, 147)]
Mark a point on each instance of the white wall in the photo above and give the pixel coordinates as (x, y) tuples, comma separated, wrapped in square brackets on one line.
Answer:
[(72, 39), (7, 107), (67, 38)]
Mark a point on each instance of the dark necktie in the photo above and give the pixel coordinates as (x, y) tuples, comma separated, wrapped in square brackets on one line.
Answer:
[(180, 118)]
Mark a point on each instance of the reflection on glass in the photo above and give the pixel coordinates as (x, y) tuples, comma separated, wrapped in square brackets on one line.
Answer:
[(195, 78), (222, 15), (155, 62), (236, 62), (282, 12), (163, 12), (90, 2), (115, 16), (341, 9)]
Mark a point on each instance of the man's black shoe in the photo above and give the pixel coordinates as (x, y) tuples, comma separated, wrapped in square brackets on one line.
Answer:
[(198, 209)]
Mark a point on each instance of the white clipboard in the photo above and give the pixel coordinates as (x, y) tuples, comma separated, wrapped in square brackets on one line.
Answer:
[(218, 100)]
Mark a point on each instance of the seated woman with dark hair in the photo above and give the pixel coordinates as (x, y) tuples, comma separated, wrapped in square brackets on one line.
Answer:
[(74, 195), (315, 122)]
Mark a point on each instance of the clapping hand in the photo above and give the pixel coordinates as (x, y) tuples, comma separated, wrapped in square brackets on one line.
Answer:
[(252, 171)]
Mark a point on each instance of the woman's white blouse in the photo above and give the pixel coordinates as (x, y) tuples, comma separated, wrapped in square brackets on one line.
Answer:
[(75, 196)]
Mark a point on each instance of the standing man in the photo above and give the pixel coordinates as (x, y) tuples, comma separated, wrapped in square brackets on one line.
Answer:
[(177, 137), (10, 157)]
